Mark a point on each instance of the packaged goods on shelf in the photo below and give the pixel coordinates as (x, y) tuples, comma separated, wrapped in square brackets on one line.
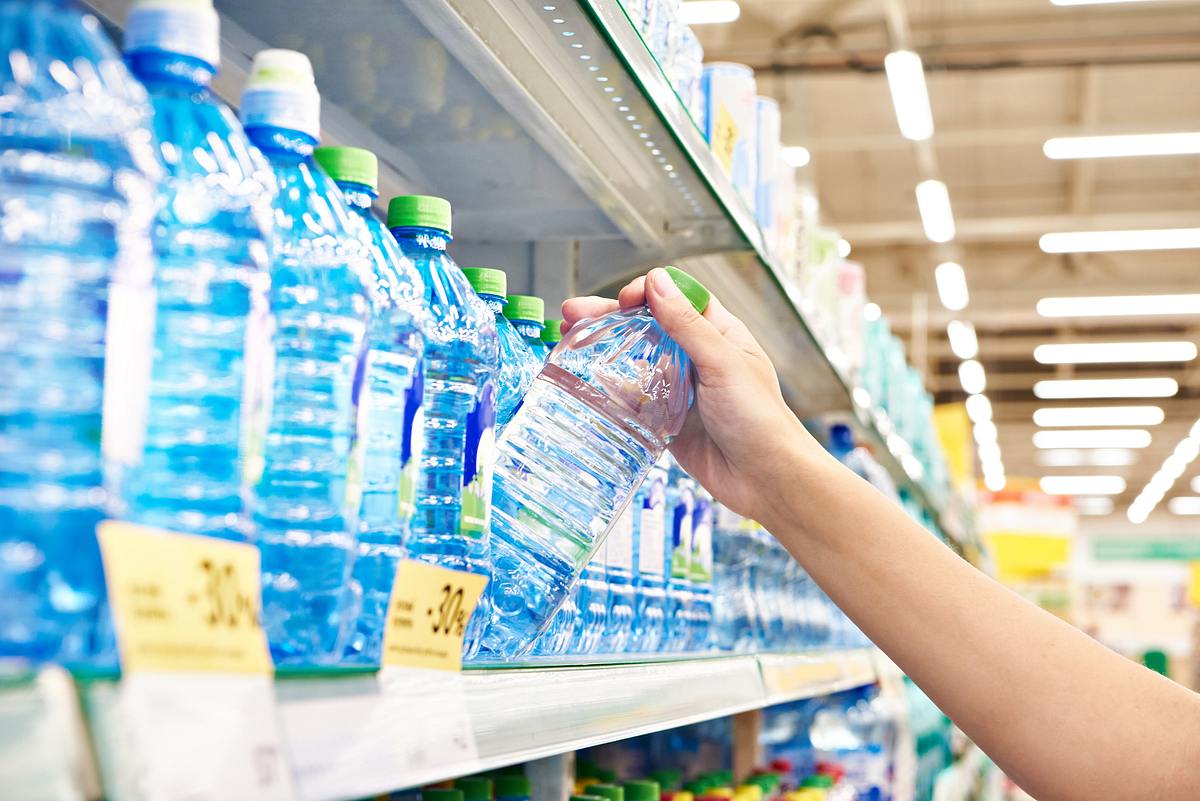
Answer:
[(851, 322), (731, 117), (766, 164), (686, 67), (784, 235)]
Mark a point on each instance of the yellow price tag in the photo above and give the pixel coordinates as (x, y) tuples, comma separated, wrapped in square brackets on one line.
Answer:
[(427, 616), (183, 603), (724, 138)]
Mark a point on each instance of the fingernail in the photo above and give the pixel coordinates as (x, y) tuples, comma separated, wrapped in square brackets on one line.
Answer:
[(663, 283)]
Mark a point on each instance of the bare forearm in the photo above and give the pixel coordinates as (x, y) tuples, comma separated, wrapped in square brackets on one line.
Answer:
[(1064, 716)]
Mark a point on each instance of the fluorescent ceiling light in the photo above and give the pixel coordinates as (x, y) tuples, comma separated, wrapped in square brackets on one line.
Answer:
[(709, 12), (1059, 389), (1086, 457), (1093, 438), (1101, 352), (972, 377), (1103, 147), (872, 312), (1107, 241), (910, 96), (952, 285), (1184, 506), (985, 431), (979, 408), (1093, 505), (962, 339), (994, 482), (1062, 416), (1119, 306), (795, 156), (1082, 485), (989, 454), (1196, 485), (933, 201), (843, 247)]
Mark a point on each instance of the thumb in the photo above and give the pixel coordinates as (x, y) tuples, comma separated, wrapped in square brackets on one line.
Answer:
[(704, 344)]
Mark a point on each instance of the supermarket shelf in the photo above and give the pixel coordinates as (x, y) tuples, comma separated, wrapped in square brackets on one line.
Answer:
[(568, 157), (350, 734)]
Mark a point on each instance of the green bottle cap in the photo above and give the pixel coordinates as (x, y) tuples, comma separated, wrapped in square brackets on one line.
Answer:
[(698, 787), (419, 211), (441, 794), (692, 289), (667, 778), (512, 785), (474, 788), (586, 798), (552, 333), (642, 790), (611, 792), (817, 781), (525, 307), (606, 776), (487, 280), (349, 165)]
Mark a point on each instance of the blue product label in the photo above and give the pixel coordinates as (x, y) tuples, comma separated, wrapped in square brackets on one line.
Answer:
[(413, 444), (681, 535), (652, 525), (479, 460), (701, 566)]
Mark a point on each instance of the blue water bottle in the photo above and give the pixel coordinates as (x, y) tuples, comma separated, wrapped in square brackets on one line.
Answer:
[(454, 478), (518, 364), (619, 618), (700, 572), (650, 588), (551, 334), (527, 314), (681, 512), (321, 295), (393, 399), (78, 183)]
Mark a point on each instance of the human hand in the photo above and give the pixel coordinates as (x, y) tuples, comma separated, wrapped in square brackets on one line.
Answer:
[(740, 438)]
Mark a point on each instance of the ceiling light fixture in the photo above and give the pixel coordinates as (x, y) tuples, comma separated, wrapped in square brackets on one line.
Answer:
[(972, 377), (1093, 504), (708, 12), (1082, 485), (843, 248), (1161, 482), (962, 338), (1114, 352), (1093, 438), (979, 408), (1072, 388), (910, 95), (1086, 457), (1066, 417), (995, 482), (795, 155), (1184, 505), (951, 282), (1119, 306), (1104, 147), (933, 201), (1109, 241)]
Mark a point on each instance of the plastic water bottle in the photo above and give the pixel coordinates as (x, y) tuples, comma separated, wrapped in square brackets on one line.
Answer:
[(518, 364), (735, 612), (552, 334), (619, 619), (454, 478), (700, 572), (78, 181), (392, 401), (681, 512), (211, 367), (600, 413), (321, 296), (649, 538), (591, 605), (527, 314)]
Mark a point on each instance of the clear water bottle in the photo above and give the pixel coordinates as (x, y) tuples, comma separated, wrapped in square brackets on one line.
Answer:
[(596, 419), (527, 314), (321, 295), (392, 401), (681, 512), (518, 364), (454, 477), (552, 334), (211, 370), (591, 604), (78, 182), (619, 619), (735, 612), (700, 572), (649, 539)]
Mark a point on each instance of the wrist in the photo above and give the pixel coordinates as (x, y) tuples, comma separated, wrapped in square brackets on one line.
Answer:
[(798, 469)]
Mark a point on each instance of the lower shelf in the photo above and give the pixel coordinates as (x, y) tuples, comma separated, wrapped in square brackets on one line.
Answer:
[(347, 736)]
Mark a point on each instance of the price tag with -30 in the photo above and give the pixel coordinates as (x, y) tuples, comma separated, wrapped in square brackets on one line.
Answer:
[(427, 616)]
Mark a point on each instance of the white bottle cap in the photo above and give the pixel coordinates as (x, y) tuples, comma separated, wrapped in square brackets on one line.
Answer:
[(282, 93), (186, 27)]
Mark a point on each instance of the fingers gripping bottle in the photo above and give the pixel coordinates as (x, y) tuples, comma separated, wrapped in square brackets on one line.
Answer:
[(681, 512), (528, 314), (78, 180), (650, 588), (454, 477), (392, 397), (599, 415), (321, 296), (518, 364), (211, 369)]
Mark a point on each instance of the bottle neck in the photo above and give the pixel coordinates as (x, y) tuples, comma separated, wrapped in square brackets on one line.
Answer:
[(281, 145), (359, 196), (417, 238), (494, 302), (159, 68), (529, 329)]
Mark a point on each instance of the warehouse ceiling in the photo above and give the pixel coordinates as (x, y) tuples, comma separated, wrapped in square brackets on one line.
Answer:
[(1003, 77)]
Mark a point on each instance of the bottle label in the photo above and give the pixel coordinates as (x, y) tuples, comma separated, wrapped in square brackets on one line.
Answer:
[(681, 535), (479, 462), (412, 447), (258, 381), (702, 554), (128, 353), (652, 525), (619, 544)]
